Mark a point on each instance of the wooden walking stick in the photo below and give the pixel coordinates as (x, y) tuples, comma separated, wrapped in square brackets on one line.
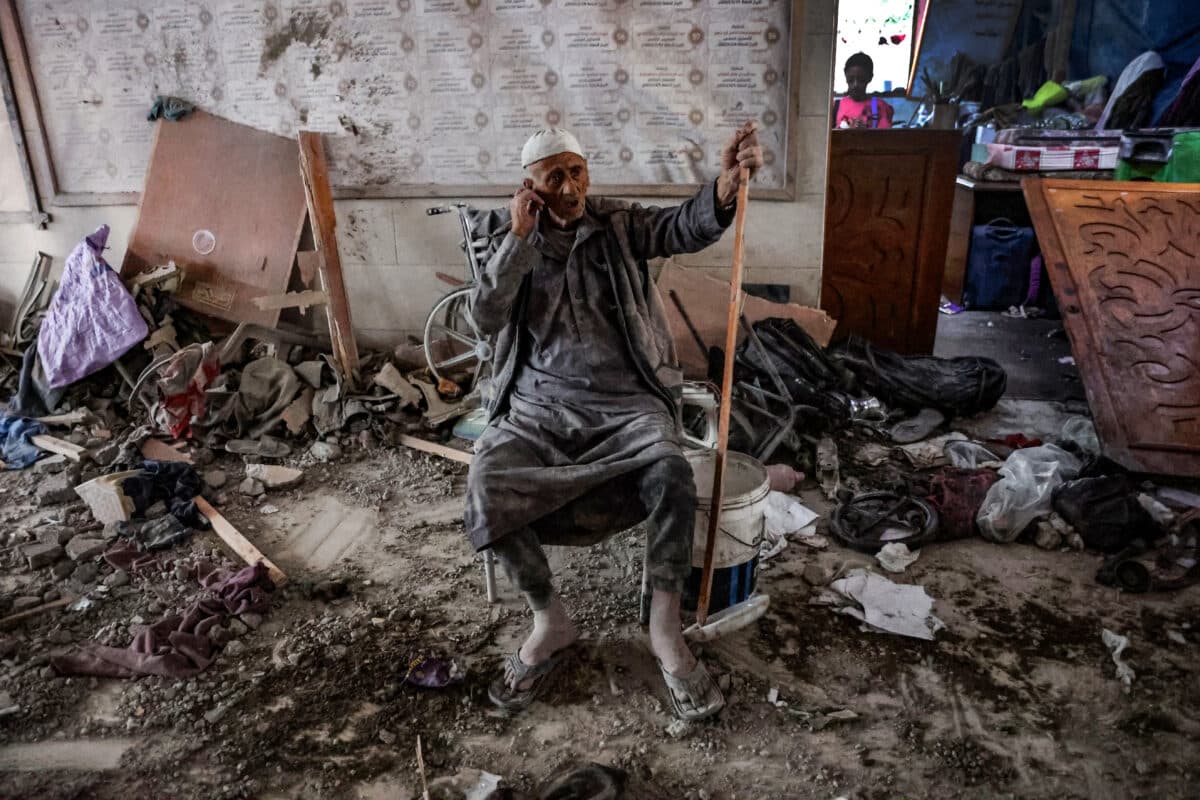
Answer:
[(731, 329)]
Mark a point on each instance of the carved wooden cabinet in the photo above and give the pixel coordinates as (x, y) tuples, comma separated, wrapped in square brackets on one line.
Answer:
[(1124, 263), (887, 220)]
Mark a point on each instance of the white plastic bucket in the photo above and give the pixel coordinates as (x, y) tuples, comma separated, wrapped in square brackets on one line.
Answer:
[(743, 511)]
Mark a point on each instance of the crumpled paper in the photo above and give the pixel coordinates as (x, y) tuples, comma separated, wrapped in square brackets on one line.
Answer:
[(884, 606)]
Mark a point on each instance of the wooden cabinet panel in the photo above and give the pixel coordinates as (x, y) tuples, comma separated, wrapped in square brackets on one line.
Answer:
[(1124, 261), (887, 219)]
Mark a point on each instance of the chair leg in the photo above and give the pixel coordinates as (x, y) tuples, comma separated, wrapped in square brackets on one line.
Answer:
[(489, 575)]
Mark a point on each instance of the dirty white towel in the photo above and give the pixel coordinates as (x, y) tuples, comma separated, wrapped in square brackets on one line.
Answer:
[(902, 609)]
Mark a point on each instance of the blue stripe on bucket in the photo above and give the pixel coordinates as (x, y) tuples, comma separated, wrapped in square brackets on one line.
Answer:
[(734, 575)]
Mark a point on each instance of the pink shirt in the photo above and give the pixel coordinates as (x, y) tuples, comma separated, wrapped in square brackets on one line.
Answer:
[(853, 110)]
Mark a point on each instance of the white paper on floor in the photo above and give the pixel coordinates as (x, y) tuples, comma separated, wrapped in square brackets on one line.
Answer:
[(1116, 644), (788, 518), (896, 557), (889, 607)]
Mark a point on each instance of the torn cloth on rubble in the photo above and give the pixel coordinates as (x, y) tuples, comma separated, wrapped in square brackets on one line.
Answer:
[(173, 482), (16, 450), (178, 645), (266, 388), (92, 319), (173, 389), (957, 494), (34, 397)]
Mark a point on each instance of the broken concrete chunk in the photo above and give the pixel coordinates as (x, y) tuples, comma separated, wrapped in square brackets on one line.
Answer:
[(251, 487), (118, 578), (215, 478), (275, 477), (105, 497), (55, 534), (325, 451), (56, 489), (50, 465), (41, 554), (84, 548), (85, 573), (62, 569), (815, 575)]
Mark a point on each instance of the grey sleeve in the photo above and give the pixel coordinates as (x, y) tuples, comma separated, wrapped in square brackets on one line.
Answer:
[(499, 281), (686, 228)]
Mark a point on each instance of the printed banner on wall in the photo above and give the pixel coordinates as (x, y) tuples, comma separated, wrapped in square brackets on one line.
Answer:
[(419, 93)]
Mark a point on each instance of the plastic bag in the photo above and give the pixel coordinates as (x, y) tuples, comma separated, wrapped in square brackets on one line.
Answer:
[(92, 319), (1024, 491), (954, 386), (1081, 432), (969, 455)]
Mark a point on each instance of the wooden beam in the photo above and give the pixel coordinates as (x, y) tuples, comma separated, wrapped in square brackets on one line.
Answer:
[(53, 444), (68, 420), (300, 300), (238, 543), (435, 448), (13, 619), (315, 171)]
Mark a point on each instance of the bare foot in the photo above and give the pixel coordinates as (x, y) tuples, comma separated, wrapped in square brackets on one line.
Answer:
[(552, 631), (666, 634)]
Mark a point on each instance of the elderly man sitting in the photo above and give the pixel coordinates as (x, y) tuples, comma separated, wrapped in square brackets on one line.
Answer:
[(584, 437)]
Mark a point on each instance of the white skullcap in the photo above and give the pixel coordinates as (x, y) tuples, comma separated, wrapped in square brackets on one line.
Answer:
[(549, 142)]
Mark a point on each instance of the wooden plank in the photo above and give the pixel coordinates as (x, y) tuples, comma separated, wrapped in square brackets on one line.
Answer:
[(958, 244), (240, 184), (887, 223), (25, 90), (238, 543), (157, 450), (300, 300), (1120, 259), (435, 448), (13, 619), (323, 218), (53, 444), (17, 129)]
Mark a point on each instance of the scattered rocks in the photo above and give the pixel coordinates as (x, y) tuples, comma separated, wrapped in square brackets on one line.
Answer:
[(235, 648), (51, 595), (118, 578), (83, 548), (50, 465), (41, 554), (251, 488), (215, 478), (386, 736), (275, 477), (85, 573), (325, 451), (55, 534), (56, 489), (62, 569)]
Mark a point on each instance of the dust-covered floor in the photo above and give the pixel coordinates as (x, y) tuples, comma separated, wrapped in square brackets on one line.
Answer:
[(1018, 697)]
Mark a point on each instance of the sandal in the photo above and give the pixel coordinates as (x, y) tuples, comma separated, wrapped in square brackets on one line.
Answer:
[(512, 699), (701, 697)]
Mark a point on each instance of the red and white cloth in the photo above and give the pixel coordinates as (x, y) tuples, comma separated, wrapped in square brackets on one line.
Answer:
[(1049, 159)]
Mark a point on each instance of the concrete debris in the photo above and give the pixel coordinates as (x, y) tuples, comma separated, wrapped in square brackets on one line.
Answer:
[(41, 555), (118, 578), (24, 603), (56, 489), (325, 451), (83, 548), (251, 487), (215, 478), (50, 465), (275, 477), (105, 498)]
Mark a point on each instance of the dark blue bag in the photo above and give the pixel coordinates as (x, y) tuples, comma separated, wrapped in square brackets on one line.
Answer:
[(998, 265)]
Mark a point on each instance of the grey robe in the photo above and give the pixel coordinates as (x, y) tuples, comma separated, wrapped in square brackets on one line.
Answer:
[(587, 386)]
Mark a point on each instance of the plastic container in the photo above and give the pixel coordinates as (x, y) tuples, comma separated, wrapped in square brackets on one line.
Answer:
[(743, 526)]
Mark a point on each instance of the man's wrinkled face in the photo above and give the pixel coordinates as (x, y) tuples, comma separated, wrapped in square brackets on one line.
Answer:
[(562, 182), (857, 79)]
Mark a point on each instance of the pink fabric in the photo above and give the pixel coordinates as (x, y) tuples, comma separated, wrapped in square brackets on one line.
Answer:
[(854, 111)]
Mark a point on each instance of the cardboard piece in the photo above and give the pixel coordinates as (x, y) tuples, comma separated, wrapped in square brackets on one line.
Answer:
[(706, 301)]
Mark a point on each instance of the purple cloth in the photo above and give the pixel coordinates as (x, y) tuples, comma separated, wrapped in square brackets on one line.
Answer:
[(92, 319), (178, 645)]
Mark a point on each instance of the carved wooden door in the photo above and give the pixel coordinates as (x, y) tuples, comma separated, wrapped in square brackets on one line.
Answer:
[(887, 220), (1124, 263)]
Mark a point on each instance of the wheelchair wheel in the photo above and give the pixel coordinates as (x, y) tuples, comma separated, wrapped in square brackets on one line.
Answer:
[(454, 347)]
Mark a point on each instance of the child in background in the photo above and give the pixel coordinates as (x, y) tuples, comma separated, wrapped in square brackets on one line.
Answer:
[(856, 109)]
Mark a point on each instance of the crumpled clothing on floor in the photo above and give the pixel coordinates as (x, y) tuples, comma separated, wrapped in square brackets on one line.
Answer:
[(177, 396), (16, 450), (173, 482), (957, 494), (265, 389), (170, 108), (34, 397), (178, 645)]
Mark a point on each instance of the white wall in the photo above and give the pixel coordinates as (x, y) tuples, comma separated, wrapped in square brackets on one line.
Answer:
[(391, 250)]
